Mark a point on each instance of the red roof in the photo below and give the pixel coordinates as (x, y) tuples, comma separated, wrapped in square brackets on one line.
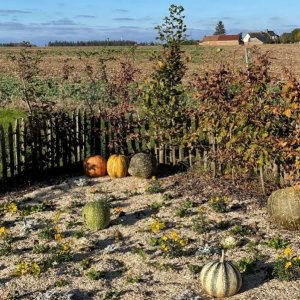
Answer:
[(221, 37)]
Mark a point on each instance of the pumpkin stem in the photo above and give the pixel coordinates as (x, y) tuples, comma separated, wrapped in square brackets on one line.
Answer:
[(223, 256)]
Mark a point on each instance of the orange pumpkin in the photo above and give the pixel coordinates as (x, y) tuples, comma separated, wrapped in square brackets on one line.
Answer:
[(117, 166), (95, 166)]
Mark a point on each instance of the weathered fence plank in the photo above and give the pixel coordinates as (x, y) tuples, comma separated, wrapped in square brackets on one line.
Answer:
[(11, 150), (3, 152), (30, 147), (17, 146), (57, 144), (51, 127), (25, 150), (84, 133), (80, 136), (40, 157), (33, 146)]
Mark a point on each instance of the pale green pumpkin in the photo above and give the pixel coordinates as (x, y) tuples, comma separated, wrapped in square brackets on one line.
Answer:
[(96, 214), (220, 278), (284, 207)]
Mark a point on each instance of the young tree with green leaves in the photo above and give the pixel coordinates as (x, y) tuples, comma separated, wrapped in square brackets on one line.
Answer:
[(164, 97)]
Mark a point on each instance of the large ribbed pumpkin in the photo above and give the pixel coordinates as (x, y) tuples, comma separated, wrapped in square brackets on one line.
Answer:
[(95, 166), (284, 207), (117, 166), (220, 278)]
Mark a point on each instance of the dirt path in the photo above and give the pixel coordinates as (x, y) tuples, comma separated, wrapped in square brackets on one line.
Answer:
[(129, 266)]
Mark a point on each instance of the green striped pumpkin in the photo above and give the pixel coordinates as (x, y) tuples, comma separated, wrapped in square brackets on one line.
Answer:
[(96, 214), (220, 278)]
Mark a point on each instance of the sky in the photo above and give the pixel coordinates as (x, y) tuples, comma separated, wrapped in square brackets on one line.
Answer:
[(41, 21)]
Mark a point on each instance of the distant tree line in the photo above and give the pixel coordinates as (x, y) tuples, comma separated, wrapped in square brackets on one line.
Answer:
[(92, 43), (290, 37), (111, 43), (190, 42), (20, 44)]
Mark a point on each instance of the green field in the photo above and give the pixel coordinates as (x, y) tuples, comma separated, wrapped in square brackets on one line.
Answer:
[(10, 115)]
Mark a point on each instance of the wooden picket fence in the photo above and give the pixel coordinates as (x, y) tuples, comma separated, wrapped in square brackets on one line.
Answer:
[(30, 148)]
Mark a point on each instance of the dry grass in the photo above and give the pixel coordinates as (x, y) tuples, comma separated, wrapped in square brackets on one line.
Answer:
[(200, 58)]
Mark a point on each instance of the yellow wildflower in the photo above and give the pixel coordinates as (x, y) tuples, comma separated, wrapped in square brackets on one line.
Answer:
[(23, 267), (153, 178), (65, 247), (174, 235), (183, 242), (157, 226), (56, 228), (57, 216), (165, 238), (288, 251), (164, 247), (58, 237), (2, 230), (296, 258), (288, 264), (154, 227), (35, 268), (12, 208)]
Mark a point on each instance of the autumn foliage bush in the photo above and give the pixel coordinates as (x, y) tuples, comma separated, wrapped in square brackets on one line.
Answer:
[(253, 117)]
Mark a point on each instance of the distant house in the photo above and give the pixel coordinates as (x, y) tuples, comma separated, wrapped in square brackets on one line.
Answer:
[(272, 36), (222, 40), (261, 37)]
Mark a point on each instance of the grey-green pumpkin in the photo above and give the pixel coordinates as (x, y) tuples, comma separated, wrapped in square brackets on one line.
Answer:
[(142, 165), (284, 207), (96, 214), (220, 278)]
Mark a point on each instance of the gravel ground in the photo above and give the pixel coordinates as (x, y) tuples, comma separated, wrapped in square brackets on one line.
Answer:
[(131, 267)]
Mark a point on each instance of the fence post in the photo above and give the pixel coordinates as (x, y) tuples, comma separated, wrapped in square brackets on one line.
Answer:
[(57, 143), (173, 149), (84, 135), (276, 173), (17, 143), (3, 152), (41, 160), (249, 58), (75, 136), (80, 136), (161, 154), (262, 179), (11, 150)]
